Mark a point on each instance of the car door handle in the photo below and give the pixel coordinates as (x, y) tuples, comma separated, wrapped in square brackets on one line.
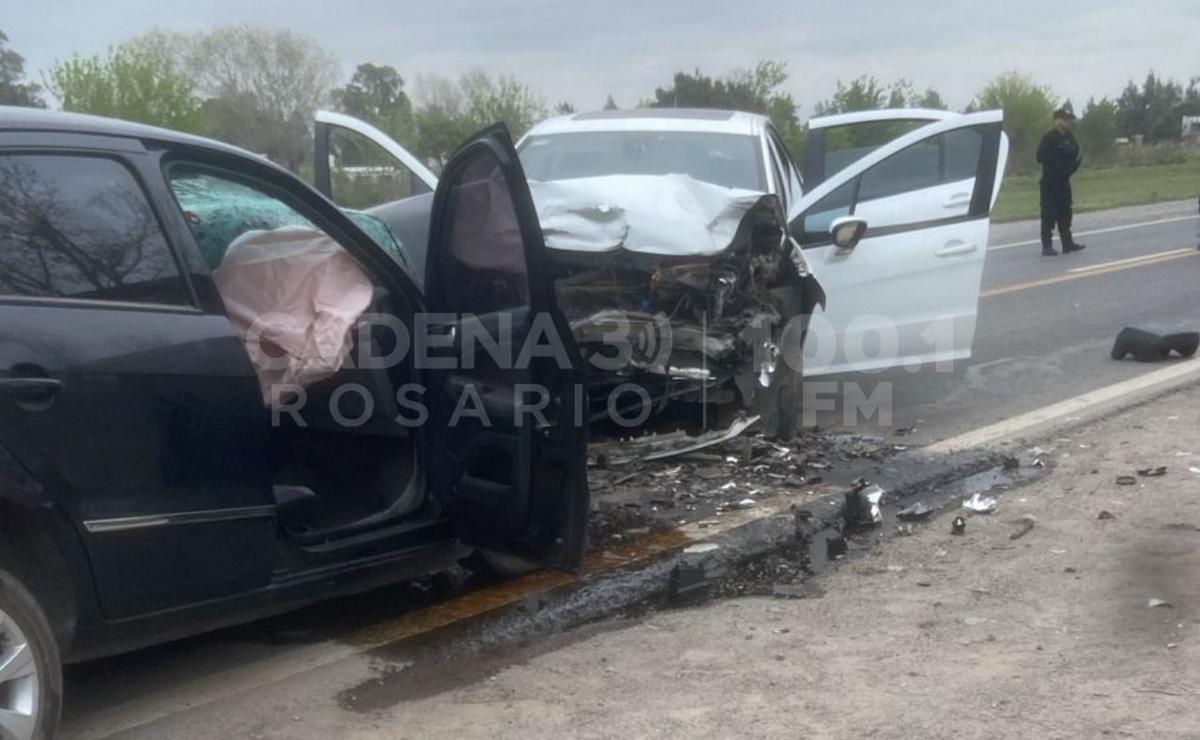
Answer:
[(955, 248), (31, 389), (958, 200)]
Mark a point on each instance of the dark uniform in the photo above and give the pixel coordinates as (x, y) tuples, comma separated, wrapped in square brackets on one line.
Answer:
[(1058, 153)]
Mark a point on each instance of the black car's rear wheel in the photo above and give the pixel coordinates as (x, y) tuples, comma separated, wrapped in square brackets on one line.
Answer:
[(30, 669)]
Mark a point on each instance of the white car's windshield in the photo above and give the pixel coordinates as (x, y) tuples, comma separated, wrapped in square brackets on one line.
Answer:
[(729, 160)]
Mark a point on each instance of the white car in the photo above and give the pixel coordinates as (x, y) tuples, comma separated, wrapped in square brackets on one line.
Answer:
[(924, 181), (655, 213)]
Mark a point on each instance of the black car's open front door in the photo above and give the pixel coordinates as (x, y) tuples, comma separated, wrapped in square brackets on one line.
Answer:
[(507, 434)]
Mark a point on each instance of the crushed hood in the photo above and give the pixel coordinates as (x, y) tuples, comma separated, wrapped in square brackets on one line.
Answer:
[(670, 215)]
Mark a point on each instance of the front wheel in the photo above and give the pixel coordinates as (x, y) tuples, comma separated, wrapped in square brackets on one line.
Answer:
[(779, 403), (30, 668)]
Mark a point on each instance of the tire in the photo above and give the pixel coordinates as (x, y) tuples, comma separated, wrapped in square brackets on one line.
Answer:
[(30, 666), (779, 403)]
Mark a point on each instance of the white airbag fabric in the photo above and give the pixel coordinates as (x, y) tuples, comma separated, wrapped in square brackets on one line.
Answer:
[(293, 295), (672, 215)]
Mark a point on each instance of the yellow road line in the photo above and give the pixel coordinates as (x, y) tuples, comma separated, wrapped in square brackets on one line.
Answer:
[(1017, 287), (1128, 260)]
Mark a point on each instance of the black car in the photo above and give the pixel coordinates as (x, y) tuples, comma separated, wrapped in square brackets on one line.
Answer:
[(148, 490)]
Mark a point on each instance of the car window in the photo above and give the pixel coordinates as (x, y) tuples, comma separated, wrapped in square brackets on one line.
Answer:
[(918, 166), (81, 227), (363, 174), (844, 145), (219, 209), (777, 171), (795, 182), (483, 257), (819, 218), (931, 180), (962, 150), (728, 160)]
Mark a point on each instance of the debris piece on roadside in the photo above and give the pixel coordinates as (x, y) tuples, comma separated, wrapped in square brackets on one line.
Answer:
[(700, 548), (1159, 604), (916, 512), (1126, 480), (1038, 463), (1105, 514), (1011, 463), (1161, 470), (1149, 347), (1025, 525), (958, 526), (981, 504), (863, 504)]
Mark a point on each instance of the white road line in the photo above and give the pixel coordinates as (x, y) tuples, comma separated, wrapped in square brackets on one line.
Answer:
[(1108, 230), (1126, 261), (1009, 427)]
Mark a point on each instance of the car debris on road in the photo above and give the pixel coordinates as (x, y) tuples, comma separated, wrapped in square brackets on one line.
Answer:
[(1148, 347), (981, 504)]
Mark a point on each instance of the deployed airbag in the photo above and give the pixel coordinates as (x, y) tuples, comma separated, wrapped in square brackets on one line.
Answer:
[(293, 295), (671, 215)]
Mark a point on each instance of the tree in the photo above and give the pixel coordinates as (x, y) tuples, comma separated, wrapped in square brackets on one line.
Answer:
[(502, 98), (1028, 108), (863, 93), (1097, 132), (565, 108), (14, 89), (756, 90), (129, 82), (376, 95), (611, 104), (449, 111), (931, 99), (1154, 110), (262, 87)]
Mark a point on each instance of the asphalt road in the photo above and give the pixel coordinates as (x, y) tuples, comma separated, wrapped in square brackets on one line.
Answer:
[(1046, 325)]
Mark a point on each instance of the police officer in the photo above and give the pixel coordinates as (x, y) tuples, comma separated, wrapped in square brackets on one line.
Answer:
[(1058, 153)]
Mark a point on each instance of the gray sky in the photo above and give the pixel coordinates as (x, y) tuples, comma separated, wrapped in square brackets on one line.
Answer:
[(581, 51)]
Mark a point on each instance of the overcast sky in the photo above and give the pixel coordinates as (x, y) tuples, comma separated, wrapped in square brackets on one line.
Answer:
[(581, 51)]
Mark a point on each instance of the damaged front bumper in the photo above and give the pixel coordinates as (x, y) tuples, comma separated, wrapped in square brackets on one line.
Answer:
[(680, 322)]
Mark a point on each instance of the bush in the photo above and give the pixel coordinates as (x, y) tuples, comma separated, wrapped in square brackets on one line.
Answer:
[(1145, 156)]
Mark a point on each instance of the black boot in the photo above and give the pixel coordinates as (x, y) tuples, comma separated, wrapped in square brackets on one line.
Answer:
[(1076, 247), (1048, 251)]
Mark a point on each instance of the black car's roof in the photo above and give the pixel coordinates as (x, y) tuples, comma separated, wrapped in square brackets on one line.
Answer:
[(14, 118)]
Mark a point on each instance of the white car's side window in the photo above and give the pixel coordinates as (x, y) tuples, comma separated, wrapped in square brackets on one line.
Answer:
[(932, 180)]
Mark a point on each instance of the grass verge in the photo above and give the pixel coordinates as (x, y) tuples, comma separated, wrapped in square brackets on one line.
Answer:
[(1099, 189)]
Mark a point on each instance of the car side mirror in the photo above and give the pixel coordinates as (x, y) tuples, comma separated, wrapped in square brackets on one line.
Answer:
[(847, 232)]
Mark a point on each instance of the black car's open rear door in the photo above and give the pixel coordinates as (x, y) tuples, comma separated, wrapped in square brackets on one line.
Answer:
[(507, 441)]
